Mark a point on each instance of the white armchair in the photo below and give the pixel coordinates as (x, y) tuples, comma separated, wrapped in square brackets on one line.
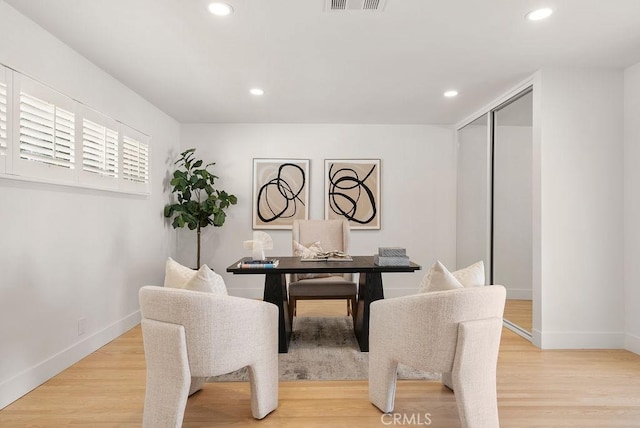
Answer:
[(190, 335), (456, 333)]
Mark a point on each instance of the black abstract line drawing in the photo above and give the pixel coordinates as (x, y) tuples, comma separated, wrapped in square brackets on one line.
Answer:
[(352, 191), (280, 192), (290, 196)]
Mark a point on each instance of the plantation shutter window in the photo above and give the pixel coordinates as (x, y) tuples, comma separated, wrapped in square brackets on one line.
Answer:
[(135, 160), (48, 137), (99, 153), (99, 149), (4, 116), (45, 132)]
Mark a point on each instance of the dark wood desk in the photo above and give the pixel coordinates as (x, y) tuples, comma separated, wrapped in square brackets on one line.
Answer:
[(369, 289)]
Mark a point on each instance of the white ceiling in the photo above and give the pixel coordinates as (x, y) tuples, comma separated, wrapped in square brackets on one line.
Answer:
[(335, 67)]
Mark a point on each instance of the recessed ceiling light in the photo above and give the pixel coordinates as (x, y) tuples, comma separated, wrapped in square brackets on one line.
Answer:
[(256, 91), (450, 94), (538, 14), (220, 9)]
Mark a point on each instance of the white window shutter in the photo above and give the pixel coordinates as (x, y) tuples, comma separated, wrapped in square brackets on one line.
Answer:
[(47, 136), (100, 149), (3, 118), (46, 132), (135, 160), (5, 108)]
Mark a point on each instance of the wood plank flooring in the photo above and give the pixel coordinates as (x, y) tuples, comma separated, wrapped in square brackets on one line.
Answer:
[(535, 389), (520, 313)]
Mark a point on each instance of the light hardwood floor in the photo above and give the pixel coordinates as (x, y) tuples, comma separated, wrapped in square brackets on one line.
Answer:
[(520, 313), (535, 389)]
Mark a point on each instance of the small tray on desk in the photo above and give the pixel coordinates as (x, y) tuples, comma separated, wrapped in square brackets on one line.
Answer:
[(328, 259)]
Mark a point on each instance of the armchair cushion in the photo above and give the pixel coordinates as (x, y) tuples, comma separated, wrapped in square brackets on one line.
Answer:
[(204, 279), (440, 279), (471, 276), (208, 281), (176, 275)]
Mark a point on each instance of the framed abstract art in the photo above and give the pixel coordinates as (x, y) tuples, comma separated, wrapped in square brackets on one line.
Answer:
[(352, 192), (280, 192)]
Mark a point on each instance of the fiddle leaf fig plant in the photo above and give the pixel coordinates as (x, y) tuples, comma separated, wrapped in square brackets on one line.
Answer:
[(199, 204)]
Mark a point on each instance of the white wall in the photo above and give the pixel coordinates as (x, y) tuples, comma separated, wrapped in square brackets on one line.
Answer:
[(68, 253), (578, 206), (632, 208), (418, 190)]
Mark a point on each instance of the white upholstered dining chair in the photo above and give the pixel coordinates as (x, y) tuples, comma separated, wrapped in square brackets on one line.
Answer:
[(455, 332), (332, 235), (191, 335)]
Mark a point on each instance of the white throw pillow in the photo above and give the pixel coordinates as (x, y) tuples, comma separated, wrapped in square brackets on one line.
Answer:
[(309, 252), (471, 276), (177, 275), (439, 279), (208, 281), (203, 279)]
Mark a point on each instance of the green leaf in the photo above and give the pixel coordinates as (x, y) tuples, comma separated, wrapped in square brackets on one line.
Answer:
[(178, 222), (219, 218)]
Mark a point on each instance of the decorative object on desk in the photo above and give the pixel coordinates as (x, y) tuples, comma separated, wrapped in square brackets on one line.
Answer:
[(324, 348), (392, 251), (328, 256), (261, 241), (352, 192), (199, 203), (308, 253), (280, 192), (258, 264), (391, 256)]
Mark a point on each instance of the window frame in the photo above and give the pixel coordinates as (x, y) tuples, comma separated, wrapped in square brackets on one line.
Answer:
[(13, 166)]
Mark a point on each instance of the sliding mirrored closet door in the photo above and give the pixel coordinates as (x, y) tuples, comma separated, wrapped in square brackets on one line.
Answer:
[(473, 221), (494, 200), (512, 248)]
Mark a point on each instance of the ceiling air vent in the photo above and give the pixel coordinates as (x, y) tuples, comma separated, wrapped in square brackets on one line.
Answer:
[(355, 5)]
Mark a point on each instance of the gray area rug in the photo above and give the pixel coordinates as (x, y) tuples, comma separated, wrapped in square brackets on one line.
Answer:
[(324, 348)]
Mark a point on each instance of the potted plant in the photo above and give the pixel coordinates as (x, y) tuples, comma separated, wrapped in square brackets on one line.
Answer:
[(199, 204)]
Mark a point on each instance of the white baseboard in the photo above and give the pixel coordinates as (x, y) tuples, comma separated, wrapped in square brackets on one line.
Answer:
[(20, 384), (632, 343), (579, 340)]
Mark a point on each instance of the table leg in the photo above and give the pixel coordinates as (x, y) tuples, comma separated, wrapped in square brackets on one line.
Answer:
[(275, 291), (369, 290)]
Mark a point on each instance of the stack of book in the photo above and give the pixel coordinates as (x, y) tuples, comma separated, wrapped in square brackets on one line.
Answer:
[(391, 256), (258, 264)]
